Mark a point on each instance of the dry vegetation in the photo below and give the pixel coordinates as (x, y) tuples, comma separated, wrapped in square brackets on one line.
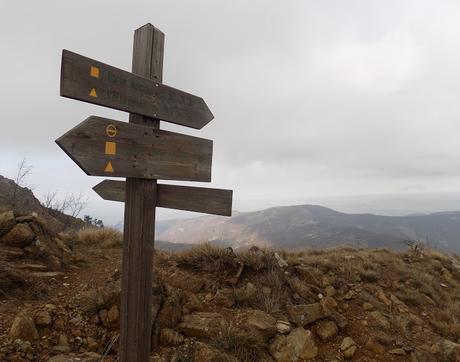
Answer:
[(216, 304), (99, 237)]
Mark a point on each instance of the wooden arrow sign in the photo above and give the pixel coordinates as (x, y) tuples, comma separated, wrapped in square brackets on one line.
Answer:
[(104, 147), (198, 199), (91, 81)]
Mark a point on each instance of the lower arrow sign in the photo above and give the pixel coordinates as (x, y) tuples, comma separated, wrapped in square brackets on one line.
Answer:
[(198, 199), (104, 147)]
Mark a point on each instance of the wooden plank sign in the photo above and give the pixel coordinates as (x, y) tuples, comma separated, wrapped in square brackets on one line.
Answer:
[(104, 147), (91, 81), (142, 153), (198, 199)]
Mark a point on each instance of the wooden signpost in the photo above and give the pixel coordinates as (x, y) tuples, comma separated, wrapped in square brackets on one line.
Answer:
[(142, 153)]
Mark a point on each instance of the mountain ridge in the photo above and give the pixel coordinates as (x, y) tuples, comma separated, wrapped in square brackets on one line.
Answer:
[(307, 225)]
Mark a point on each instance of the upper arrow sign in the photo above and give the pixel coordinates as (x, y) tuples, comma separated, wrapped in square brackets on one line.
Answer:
[(104, 147), (91, 81)]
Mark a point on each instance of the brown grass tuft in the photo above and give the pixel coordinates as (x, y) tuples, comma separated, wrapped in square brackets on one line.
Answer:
[(207, 257), (100, 237), (258, 259), (242, 344)]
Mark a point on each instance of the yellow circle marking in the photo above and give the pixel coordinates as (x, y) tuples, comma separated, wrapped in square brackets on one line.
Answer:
[(111, 130)]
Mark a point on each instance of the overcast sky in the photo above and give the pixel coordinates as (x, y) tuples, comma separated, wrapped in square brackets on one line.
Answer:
[(311, 99)]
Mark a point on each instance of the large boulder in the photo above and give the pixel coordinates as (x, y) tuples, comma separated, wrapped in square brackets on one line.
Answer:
[(19, 236), (201, 324), (326, 330), (83, 357), (43, 318), (206, 353), (169, 337), (186, 281), (304, 314), (299, 345), (348, 347), (379, 320), (448, 351), (263, 324), (23, 328), (7, 221)]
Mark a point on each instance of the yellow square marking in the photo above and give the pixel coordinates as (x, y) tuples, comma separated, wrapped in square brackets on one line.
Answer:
[(94, 72), (110, 148)]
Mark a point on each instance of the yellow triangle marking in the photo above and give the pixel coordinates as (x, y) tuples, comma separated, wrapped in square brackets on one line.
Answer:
[(93, 93), (109, 167)]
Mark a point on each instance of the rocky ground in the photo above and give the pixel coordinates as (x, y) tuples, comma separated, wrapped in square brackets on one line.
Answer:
[(59, 301)]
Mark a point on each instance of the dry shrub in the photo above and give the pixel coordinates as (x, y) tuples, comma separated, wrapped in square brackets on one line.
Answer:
[(161, 257), (410, 297), (427, 285), (245, 296), (271, 300), (240, 343), (100, 237), (11, 278), (17, 284), (369, 276), (446, 321), (88, 301), (207, 257), (258, 259), (448, 330)]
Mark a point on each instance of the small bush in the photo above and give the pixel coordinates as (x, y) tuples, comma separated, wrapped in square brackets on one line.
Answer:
[(207, 257), (369, 276), (258, 259), (411, 298), (242, 344), (100, 237)]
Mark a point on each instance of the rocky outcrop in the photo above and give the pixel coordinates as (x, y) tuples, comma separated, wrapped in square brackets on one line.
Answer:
[(262, 324), (7, 221), (28, 238), (306, 314), (19, 236), (299, 345), (201, 324), (348, 347), (23, 328)]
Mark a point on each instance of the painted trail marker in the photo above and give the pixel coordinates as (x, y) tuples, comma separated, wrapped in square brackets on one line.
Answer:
[(91, 81), (142, 153), (104, 147)]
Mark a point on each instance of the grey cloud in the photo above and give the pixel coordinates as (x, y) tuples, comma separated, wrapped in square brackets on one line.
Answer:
[(310, 98)]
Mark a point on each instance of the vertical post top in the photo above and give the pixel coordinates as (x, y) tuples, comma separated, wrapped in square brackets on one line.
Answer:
[(149, 26), (148, 50)]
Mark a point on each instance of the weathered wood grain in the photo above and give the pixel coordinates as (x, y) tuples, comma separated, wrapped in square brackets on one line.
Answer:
[(198, 199), (137, 151), (92, 81), (139, 221)]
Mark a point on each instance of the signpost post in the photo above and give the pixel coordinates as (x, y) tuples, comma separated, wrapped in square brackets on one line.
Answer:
[(142, 153)]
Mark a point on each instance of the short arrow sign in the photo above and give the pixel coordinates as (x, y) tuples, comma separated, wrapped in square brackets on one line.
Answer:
[(91, 81), (198, 199), (104, 147)]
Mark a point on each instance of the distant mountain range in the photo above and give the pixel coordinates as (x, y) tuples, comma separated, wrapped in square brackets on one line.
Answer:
[(315, 226)]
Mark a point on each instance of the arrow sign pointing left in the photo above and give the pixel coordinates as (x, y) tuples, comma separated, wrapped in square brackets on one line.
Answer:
[(104, 147)]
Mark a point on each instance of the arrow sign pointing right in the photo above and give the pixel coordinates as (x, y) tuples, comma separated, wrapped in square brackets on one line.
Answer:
[(104, 147), (198, 199), (91, 81)]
